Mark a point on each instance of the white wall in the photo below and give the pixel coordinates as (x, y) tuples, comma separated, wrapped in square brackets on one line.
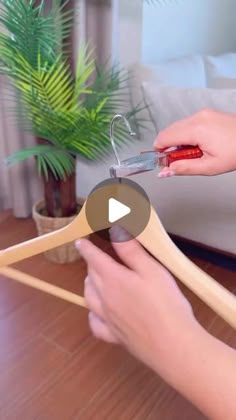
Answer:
[(181, 27), (130, 31)]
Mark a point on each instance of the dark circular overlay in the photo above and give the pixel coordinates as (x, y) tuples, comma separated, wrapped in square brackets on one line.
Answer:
[(124, 192)]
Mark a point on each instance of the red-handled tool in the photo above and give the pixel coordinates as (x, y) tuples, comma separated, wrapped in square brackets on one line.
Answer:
[(179, 153), (150, 160)]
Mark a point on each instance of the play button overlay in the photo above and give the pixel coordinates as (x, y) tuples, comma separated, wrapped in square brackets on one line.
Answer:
[(118, 201), (117, 210)]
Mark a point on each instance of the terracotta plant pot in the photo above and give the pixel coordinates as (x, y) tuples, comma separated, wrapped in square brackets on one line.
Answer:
[(64, 254)]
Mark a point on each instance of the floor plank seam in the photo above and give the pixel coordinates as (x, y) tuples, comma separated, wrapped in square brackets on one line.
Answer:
[(51, 382), (99, 391), (55, 320), (81, 345), (60, 374), (18, 402), (19, 350), (38, 390), (56, 345)]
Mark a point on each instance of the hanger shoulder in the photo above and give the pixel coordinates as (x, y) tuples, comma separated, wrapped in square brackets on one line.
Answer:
[(155, 239), (75, 230)]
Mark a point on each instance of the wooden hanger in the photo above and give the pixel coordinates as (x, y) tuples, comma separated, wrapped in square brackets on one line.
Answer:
[(75, 230), (154, 238)]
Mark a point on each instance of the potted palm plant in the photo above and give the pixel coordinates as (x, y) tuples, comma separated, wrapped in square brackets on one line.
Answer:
[(67, 109)]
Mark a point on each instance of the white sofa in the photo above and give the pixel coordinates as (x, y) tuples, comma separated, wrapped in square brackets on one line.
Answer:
[(202, 209)]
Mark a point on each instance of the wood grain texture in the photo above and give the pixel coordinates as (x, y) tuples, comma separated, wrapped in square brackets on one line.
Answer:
[(51, 366)]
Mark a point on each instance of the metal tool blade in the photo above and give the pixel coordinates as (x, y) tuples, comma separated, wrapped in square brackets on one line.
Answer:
[(142, 163)]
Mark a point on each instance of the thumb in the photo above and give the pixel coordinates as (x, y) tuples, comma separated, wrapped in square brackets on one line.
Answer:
[(129, 250), (190, 166), (178, 134)]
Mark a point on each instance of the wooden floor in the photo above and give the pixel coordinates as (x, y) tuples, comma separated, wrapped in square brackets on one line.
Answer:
[(53, 369)]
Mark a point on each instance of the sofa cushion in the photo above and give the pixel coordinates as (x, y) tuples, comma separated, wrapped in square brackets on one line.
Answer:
[(186, 71), (223, 82), (169, 104), (223, 65), (208, 217), (181, 72)]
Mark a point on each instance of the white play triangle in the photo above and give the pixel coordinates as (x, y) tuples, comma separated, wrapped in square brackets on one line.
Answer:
[(117, 210)]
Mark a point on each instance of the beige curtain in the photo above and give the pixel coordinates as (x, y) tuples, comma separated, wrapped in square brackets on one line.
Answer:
[(19, 185), (95, 25)]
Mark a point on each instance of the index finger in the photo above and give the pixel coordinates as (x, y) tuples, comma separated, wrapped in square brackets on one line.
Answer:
[(179, 133), (99, 261)]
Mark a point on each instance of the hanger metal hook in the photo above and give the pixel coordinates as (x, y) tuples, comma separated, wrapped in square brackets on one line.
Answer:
[(131, 132)]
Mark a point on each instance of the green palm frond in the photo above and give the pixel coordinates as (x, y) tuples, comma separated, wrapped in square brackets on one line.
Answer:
[(70, 112), (84, 68), (49, 85), (31, 31), (59, 161)]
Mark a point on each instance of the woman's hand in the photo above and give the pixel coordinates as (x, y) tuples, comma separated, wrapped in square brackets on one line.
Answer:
[(215, 134), (140, 307), (137, 305)]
